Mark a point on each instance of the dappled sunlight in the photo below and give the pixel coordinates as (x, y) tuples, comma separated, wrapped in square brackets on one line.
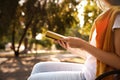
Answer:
[(54, 58), (80, 12), (20, 68), (21, 2), (33, 18), (12, 67), (9, 66)]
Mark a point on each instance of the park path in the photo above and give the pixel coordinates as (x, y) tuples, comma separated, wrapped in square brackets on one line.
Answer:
[(19, 68)]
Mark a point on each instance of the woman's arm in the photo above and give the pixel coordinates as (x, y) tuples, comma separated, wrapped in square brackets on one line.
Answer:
[(112, 59), (76, 51), (117, 41), (79, 52)]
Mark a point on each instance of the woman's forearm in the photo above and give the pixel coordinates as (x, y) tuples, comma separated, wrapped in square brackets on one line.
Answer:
[(108, 58), (78, 52)]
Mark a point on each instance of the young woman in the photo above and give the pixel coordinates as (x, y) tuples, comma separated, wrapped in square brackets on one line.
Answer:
[(103, 50)]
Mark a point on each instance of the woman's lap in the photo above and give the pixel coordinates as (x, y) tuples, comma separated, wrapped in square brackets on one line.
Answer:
[(58, 75), (57, 71)]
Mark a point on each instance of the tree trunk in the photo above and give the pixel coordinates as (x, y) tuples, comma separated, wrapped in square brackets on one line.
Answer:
[(16, 53)]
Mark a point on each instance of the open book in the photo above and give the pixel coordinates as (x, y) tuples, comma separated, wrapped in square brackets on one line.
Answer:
[(54, 35)]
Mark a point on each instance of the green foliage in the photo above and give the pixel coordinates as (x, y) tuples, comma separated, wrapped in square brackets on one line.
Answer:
[(50, 15), (46, 43), (91, 11), (37, 16)]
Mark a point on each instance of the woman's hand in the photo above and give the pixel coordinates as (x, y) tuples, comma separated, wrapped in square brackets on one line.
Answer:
[(72, 42), (63, 44)]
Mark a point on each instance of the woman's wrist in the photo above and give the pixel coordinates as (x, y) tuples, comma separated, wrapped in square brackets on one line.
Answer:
[(82, 43)]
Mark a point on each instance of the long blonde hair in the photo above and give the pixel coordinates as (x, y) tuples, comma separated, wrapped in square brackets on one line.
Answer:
[(103, 6)]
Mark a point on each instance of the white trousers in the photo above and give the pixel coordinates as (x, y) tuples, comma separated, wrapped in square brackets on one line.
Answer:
[(57, 71)]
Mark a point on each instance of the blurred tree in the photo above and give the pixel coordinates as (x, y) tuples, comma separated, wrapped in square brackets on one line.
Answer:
[(22, 22), (36, 16), (90, 12), (7, 12), (39, 16)]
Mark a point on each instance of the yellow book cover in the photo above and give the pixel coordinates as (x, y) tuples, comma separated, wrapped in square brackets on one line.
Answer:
[(54, 35)]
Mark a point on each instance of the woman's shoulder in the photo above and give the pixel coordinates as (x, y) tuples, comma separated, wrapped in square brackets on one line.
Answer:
[(118, 16), (117, 22)]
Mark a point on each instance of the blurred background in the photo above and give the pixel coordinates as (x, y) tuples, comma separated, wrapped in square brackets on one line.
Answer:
[(23, 24)]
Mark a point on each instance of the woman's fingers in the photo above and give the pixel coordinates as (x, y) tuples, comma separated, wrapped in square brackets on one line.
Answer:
[(68, 42), (72, 41), (63, 44)]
